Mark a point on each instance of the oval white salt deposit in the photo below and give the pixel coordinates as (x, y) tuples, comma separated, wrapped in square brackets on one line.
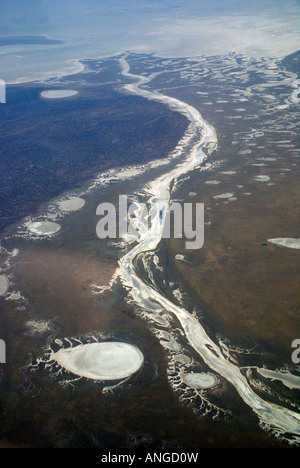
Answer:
[(266, 159), (261, 178), (101, 361), (4, 285), (72, 204), (37, 327), (200, 380), (179, 257), (283, 106), (213, 182), (43, 228), (183, 359), (224, 195), (59, 93)]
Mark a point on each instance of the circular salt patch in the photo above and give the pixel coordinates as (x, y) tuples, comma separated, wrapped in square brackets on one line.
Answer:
[(101, 361), (43, 228), (179, 257), (58, 93), (183, 359), (213, 182), (224, 195), (72, 204), (4, 285), (261, 178), (199, 381)]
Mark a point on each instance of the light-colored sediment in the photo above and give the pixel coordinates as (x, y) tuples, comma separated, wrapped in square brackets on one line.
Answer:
[(43, 228), (101, 361), (72, 204), (289, 242), (58, 93), (179, 257), (182, 359), (37, 327), (261, 178), (213, 182), (202, 380), (14, 296), (289, 380), (275, 418), (224, 196)]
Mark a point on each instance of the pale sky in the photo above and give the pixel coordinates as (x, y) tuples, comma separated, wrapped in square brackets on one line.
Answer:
[(170, 28)]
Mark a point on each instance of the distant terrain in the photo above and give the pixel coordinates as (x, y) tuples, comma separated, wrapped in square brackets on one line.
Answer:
[(17, 40)]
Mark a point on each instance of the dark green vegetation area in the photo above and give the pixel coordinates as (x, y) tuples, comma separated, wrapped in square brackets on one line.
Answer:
[(49, 146)]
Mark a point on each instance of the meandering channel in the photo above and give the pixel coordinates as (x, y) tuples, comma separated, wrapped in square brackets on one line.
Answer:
[(277, 419)]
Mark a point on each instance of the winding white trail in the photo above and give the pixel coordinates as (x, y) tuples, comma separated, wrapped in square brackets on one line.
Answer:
[(279, 420)]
